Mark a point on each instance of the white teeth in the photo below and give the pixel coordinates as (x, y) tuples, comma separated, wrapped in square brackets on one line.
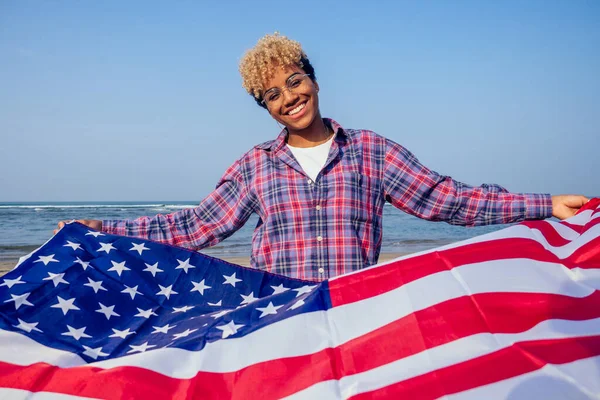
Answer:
[(297, 109)]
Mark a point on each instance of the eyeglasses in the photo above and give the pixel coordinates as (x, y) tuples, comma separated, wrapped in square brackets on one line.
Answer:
[(294, 84)]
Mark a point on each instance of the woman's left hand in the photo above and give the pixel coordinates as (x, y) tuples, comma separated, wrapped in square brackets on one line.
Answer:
[(566, 205)]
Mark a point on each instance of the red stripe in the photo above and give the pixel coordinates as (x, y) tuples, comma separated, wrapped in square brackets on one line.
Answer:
[(422, 330), (546, 229), (510, 362), (375, 281)]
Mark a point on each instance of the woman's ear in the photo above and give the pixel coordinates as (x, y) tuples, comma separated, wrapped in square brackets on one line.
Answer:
[(317, 86)]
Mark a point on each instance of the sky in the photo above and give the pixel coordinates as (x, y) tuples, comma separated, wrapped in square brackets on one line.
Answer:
[(142, 100)]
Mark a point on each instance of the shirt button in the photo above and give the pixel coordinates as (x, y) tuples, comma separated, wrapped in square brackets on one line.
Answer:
[(319, 238), (318, 207), (310, 181), (321, 271)]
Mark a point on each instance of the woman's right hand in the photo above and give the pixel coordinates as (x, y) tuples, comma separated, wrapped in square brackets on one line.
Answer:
[(92, 223)]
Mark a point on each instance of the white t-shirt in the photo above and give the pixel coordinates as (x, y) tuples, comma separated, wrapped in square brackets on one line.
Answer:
[(312, 159)]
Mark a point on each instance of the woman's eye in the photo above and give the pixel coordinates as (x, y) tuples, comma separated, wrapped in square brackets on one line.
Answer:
[(295, 83), (273, 96)]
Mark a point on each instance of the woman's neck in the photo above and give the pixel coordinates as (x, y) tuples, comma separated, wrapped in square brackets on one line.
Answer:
[(313, 135)]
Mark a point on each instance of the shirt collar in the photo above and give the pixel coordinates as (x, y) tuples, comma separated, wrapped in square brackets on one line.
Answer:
[(274, 145)]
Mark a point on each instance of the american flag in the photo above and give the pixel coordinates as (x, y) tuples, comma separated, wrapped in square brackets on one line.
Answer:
[(512, 314)]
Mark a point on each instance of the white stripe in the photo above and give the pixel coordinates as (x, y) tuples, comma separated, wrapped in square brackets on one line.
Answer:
[(575, 380), (582, 218), (312, 332), (446, 355), (19, 394)]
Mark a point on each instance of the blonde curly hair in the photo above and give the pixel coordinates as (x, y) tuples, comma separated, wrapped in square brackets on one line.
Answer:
[(257, 64)]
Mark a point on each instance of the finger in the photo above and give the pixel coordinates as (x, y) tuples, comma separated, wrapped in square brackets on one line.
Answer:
[(61, 224)]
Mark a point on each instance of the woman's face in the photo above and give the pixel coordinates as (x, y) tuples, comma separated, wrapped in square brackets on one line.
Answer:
[(291, 98)]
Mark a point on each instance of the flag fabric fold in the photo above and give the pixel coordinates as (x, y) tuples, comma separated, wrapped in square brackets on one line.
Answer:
[(511, 314)]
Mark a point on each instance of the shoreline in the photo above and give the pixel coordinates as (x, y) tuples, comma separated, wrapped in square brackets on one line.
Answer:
[(6, 266)]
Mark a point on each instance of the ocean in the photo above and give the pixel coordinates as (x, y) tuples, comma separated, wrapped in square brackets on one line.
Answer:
[(26, 226)]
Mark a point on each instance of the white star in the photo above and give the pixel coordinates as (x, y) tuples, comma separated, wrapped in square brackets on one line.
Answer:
[(279, 289), (232, 280), (141, 348), (65, 305), (132, 291), (94, 353), (184, 265), (270, 309), (122, 334), (145, 313), (46, 259), (184, 333), (118, 267), (74, 246), (84, 264), (182, 309), (27, 326), (200, 287), (162, 329), (304, 289), (230, 329), (139, 247), (107, 247), (11, 282), (94, 234), (107, 311), (221, 313), (20, 300), (248, 299), (76, 333), (153, 269), (55, 278), (166, 291), (217, 304), (297, 304), (96, 285)]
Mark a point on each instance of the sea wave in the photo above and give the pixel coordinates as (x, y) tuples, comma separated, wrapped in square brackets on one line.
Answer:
[(40, 207)]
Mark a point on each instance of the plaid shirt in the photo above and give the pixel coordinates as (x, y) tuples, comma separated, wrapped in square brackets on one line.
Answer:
[(333, 225)]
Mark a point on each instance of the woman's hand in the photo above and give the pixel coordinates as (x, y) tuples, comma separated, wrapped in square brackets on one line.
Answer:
[(92, 223), (566, 205)]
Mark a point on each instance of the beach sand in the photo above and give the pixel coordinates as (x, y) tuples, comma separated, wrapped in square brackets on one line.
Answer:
[(6, 266)]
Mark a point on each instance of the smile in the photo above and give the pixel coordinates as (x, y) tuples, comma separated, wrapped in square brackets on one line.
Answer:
[(297, 109)]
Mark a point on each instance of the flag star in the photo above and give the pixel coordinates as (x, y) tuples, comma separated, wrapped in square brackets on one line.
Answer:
[(184, 333), (279, 289), (145, 313), (118, 267), (27, 326), (304, 289), (74, 246), (217, 304), (200, 287), (139, 247), (46, 259), (94, 233), (132, 291), (20, 300), (153, 269), (107, 311), (94, 353), (11, 282), (122, 334), (141, 348), (270, 309), (230, 329), (55, 278), (65, 305), (221, 313), (96, 285), (297, 304), (184, 265), (182, 309), (76, 333), (162, 329), (84, 264), (107, 247), (166, 291), (248, 299), (232, 279)]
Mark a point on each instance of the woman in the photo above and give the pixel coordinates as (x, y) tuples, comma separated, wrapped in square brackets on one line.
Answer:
[(319, 189)]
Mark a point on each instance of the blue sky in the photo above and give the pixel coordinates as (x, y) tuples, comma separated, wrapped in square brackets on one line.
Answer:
[(142, 100)]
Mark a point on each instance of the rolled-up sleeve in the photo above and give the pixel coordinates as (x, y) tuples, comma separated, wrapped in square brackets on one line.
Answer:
[(417, 190)]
